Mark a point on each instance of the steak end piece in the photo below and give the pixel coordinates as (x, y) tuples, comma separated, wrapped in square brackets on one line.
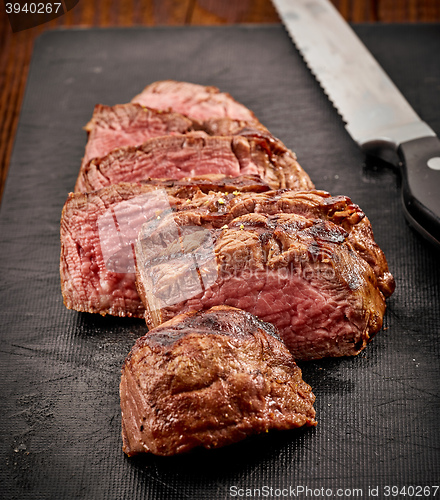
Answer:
[(209, 379)]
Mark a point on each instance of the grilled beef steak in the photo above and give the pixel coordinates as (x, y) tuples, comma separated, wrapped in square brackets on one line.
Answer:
[(300, 274), (195, 101), (209, 379), (98, 230), (179, 156)]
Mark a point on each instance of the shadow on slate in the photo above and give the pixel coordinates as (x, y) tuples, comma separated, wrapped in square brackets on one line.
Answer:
[(60, 419)]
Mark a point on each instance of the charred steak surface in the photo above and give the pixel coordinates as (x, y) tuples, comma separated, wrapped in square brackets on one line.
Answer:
[(209, 379), (300, 274), (221, 208)]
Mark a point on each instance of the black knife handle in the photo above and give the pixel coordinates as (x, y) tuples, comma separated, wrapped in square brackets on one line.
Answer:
[(421, 185)]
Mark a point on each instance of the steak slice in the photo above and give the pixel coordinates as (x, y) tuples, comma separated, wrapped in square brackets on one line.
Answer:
[(128, 125), (98, 230), (188, 155), (195, 101), (209, 379), (300, 274)]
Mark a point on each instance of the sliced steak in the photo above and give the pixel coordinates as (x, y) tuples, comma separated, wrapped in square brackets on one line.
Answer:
[(128, 125), (98, 230), (189, 155), (209, 379), (195, 101), (90, 281), (300, 274), (131, 124)]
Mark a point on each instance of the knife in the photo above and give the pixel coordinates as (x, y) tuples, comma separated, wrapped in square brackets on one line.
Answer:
[(376, 114)]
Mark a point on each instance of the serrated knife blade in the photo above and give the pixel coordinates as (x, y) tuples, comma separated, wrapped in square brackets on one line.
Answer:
[(376, 114)]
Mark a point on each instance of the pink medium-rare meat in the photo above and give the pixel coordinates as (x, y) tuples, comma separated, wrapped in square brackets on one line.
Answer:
[(88, 283), (128, 125), (209, 379), (195, 101), (300, 274), (194, 154), (99, 228), (131, 124)]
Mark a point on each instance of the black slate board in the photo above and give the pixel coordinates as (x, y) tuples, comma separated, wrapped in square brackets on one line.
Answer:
[(60, 419)]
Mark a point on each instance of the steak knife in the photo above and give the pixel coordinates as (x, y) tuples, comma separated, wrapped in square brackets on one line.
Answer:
[(376, 115)]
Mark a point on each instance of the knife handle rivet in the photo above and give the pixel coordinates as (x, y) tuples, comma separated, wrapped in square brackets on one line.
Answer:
[(434, 163)]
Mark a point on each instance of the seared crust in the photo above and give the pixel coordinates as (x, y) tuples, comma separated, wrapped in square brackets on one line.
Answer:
[(219, 209), (209, 379), (321, 205)]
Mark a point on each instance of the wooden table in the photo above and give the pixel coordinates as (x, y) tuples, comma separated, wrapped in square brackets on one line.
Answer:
[(16, 48)]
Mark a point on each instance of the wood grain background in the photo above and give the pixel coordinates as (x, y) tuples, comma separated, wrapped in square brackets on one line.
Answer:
[(16, 48)]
